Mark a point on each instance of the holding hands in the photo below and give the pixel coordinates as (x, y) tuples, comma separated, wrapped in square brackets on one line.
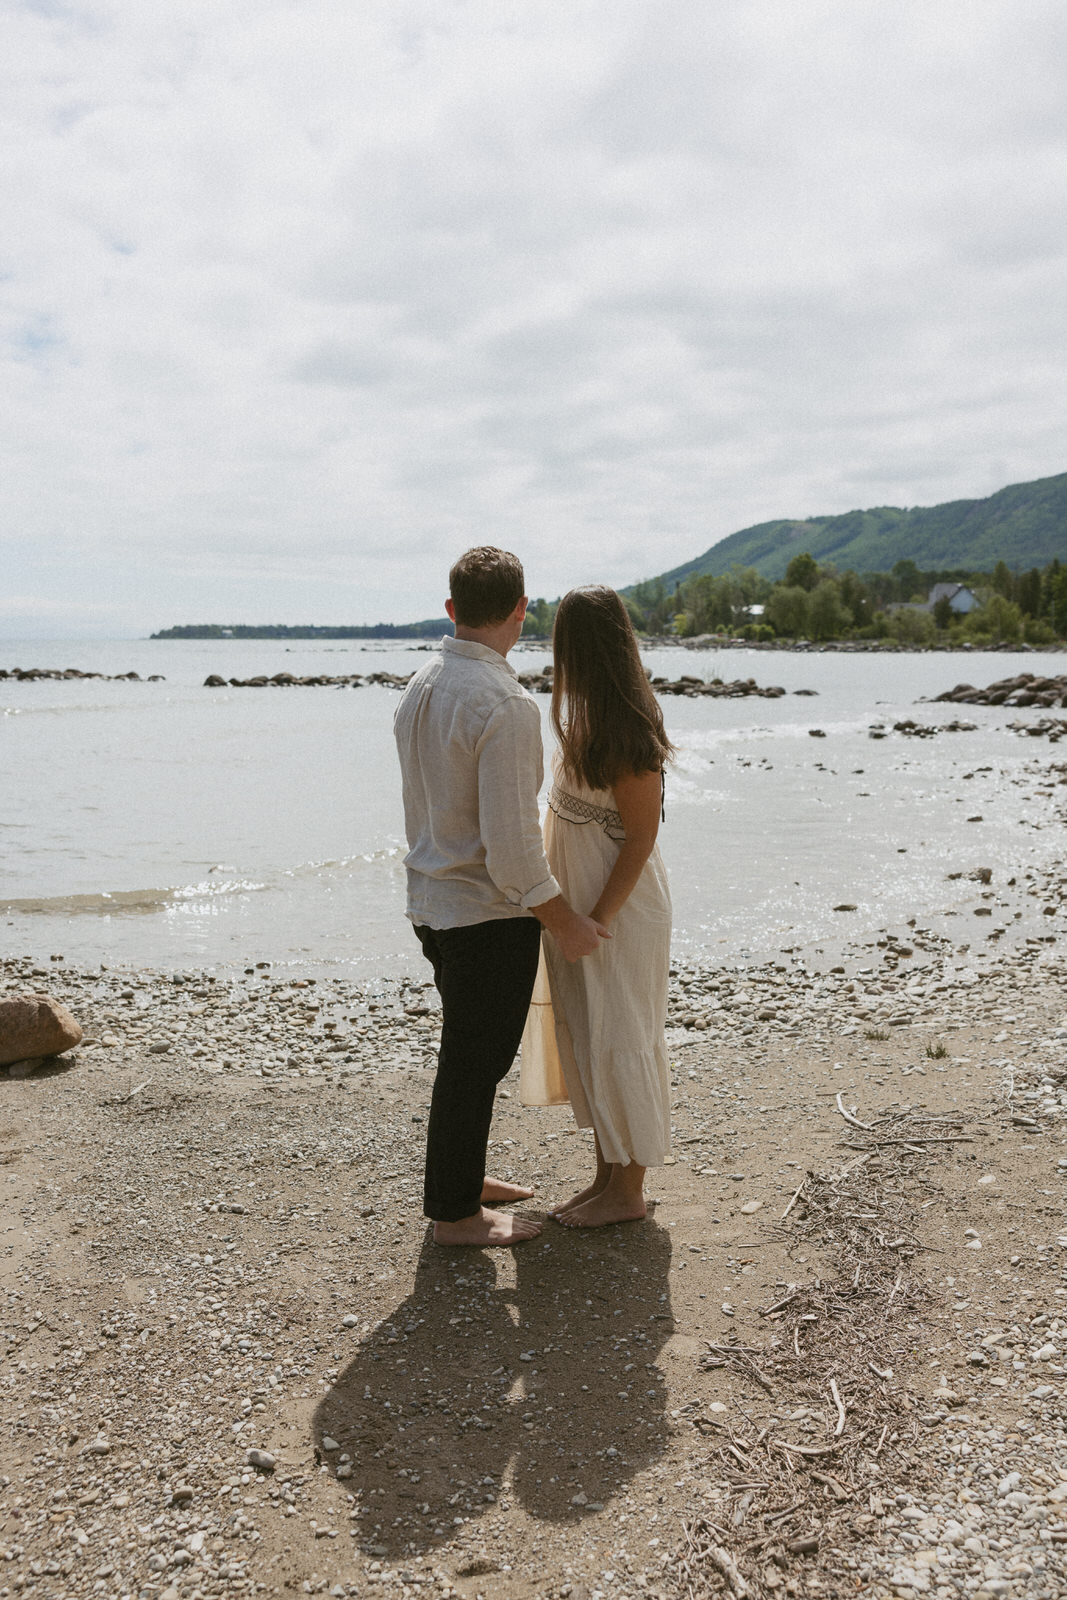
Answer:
[(575, 935)]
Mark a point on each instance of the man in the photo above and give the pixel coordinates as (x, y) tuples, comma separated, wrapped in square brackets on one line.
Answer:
[(479, 887)]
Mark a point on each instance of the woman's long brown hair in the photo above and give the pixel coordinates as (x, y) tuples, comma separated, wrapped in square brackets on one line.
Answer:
[(604, 712)]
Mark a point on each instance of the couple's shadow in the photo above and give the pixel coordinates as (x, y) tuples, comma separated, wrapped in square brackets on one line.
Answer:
[(474, 1392)]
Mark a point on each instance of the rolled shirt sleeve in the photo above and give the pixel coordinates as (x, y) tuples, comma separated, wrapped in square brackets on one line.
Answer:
[(509, 776)]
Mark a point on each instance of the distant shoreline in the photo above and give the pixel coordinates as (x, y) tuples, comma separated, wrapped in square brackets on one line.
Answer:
[(427, 629), (648, 641)]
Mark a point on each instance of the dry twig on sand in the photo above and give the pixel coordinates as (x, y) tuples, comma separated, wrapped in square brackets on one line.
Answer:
[(849, 1117), (807, 1458)]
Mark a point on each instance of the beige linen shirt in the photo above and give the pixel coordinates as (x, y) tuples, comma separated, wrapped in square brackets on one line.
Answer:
[(469, 740)]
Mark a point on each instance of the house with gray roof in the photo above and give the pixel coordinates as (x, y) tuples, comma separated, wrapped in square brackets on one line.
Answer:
[(959, 597)]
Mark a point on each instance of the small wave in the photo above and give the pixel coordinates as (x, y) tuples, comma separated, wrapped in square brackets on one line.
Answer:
[(217, 886), (127, 901), (344, 864), (75, 708)]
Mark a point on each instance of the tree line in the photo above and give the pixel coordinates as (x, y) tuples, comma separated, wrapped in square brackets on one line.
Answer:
[(432, 629), (817, 602)]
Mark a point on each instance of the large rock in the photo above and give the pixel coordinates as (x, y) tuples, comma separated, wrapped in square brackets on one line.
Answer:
[(33, 1025), (1025, 689)]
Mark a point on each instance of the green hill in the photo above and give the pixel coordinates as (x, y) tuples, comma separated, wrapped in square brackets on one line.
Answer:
[(1024, 526)]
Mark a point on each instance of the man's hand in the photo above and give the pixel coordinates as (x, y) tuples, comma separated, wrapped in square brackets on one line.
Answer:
[(576, 935), (580, 938)]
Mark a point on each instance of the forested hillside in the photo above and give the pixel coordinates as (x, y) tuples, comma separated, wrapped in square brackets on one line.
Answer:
[(1024, 526)]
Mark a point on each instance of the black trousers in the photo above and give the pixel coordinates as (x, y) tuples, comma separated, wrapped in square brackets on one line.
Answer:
[(485, 977)]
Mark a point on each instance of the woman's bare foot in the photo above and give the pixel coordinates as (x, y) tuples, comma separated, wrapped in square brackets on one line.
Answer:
[(621, 1198), (597, 1186), (496, 1192), (602, 1209), (604, 1170), (486, 1228)]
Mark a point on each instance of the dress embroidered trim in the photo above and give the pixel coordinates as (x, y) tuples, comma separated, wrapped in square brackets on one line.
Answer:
[(572, 808)]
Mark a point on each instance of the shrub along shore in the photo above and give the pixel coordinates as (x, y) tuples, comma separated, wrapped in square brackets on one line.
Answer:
[(823, 604), (819, 603)]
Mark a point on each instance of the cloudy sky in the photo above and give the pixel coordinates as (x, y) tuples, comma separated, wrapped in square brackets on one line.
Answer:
[(301, 297)]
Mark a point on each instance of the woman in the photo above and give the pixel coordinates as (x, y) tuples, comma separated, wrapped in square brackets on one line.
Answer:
[(595, 1034)]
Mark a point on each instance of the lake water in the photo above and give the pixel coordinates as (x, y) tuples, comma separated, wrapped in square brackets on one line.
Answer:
[(171, 825)]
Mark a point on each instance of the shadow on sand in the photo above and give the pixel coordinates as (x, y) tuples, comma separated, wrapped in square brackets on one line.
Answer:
[(471, 1393)]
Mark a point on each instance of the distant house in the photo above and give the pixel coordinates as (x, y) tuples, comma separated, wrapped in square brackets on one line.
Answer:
[(959, 597)]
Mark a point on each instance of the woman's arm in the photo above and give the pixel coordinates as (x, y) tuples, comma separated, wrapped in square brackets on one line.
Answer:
[(638, 798)]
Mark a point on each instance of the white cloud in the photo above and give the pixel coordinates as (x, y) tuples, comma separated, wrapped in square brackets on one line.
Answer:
[(299, 298)]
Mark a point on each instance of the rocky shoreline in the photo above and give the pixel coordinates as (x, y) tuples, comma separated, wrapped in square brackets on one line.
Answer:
[(677, 686), (321, 680), (234, 1364), (1025, 689), (35, 674), (296, 1027), (536, 682)]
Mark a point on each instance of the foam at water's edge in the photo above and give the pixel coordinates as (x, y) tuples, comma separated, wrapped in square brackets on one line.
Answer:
[(129, 900)]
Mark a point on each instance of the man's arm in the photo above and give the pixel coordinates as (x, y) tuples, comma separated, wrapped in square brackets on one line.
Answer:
[(509, 776)]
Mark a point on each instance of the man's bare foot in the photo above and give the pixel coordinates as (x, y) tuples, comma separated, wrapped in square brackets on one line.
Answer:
[(597, 1186), (486, 1228), (496, 1192), (602, 1209)]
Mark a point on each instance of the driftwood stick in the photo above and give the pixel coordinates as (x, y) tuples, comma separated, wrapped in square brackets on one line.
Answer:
[(840, 1493), (728, 1567), (951, 1138), (124, 1099), (806, 1449), (790, 1206), (707, 1523), (855, 1121), (840, 1407), (787, 1511), (780, 1305)]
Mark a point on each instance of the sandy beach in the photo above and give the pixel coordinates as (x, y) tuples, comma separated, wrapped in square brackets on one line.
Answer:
[(741, 329), (831, 1361)]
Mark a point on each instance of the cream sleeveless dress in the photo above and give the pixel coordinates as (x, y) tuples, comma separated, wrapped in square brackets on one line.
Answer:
[(595, 1033)]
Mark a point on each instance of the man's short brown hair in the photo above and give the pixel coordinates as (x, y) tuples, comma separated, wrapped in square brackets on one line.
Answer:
[(486, 584)]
